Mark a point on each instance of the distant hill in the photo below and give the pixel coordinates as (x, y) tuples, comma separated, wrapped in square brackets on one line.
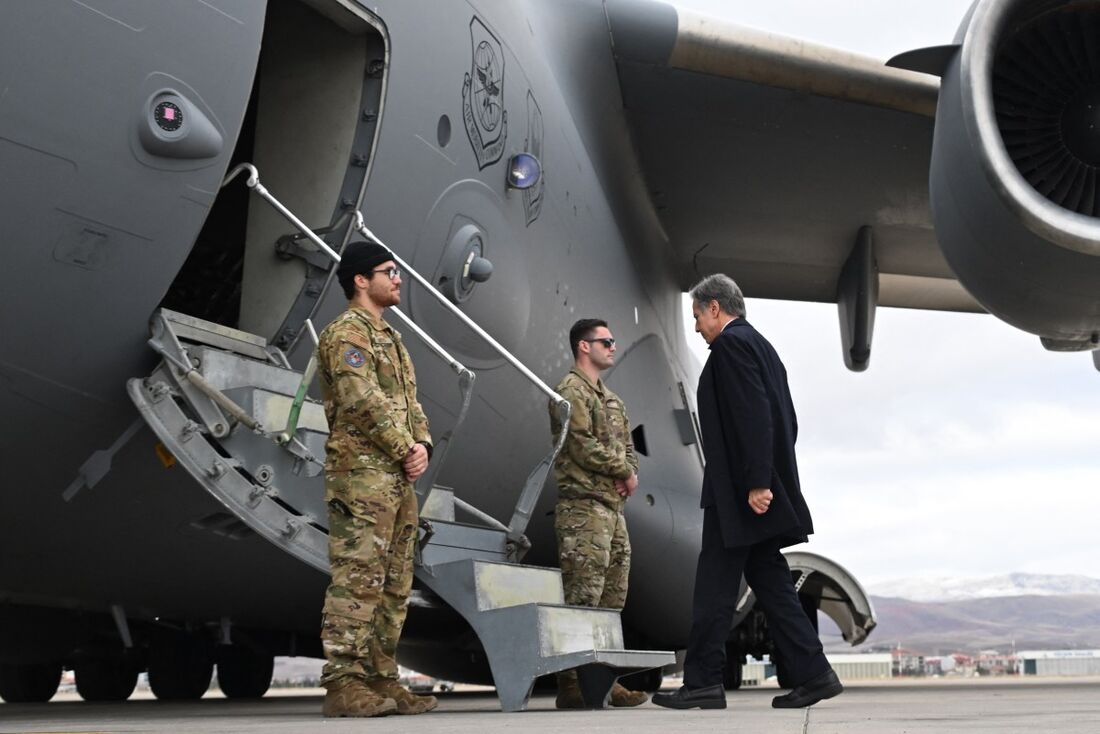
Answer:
[(1013, 584), (1028, 622)]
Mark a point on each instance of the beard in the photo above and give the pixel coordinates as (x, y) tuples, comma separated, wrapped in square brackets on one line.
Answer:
[(387, 297)]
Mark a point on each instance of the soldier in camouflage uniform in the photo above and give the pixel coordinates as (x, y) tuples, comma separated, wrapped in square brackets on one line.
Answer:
[(596, 472), (378, 445)]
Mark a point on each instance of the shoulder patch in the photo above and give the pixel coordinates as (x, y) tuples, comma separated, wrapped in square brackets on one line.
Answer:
[(354, 357)]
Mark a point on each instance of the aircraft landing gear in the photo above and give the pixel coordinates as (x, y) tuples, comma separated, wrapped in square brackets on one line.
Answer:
[(30, 682), (110, 678), (180, 668), (244, 673)]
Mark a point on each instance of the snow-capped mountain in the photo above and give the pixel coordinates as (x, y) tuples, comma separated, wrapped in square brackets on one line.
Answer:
[(932, 589)]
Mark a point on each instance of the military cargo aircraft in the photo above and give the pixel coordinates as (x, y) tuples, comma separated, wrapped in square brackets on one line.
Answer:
[(174, 176)]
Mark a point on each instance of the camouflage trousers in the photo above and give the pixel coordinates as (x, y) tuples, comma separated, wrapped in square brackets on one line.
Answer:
[(594, 553), (372, 536)]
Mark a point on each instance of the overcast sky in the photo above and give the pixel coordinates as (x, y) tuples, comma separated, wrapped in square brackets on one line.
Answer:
[(965, 449)]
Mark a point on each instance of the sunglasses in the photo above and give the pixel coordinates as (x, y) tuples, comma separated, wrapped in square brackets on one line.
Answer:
[(391, 273), (607, 341)]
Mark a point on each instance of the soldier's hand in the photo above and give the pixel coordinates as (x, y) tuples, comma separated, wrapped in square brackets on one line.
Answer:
[(626, 487), (760, 500), (416, 462), (631, 485)]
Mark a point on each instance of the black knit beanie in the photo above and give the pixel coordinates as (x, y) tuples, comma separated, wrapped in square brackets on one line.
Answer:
[(360, 258)]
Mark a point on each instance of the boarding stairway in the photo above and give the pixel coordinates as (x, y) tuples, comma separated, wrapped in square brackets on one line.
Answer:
[(230, 408)]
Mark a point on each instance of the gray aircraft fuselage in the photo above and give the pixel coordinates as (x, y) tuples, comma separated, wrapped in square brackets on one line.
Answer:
[(406, 110), (98, 227)]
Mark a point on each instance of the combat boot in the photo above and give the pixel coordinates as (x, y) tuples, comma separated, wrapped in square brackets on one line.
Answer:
[(352, 698), (624, 697), (569, 692), (407, 701)]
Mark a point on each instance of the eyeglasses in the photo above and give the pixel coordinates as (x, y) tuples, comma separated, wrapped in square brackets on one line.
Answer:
[(607, 341), (392, 273)]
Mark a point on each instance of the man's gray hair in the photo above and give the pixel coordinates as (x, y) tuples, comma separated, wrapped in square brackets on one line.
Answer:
[(721, 288)]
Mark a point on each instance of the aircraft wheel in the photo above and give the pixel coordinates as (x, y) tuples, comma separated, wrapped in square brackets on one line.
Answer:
[(30, 683), (647, 681), (244, 673), (105, 679), (180, 668), (733, 670)]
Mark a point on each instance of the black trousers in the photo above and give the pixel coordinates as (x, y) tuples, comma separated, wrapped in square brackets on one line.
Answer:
[(717, 582)]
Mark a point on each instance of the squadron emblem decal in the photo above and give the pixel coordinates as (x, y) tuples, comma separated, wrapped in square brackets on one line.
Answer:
[(355, 358), (483, 96), (532, 197)]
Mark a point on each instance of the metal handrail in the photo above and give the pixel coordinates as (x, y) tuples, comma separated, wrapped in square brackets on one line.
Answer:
[(532, 488), (466, 379), (253, 182), (466, 376), (455, 311)]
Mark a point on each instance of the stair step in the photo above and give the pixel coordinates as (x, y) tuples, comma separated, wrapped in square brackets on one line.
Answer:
[(439, 505), (625, 660), (198, 330), (508, 585), (517, 613), (498, 585), (455, 543), (567, 629), (272, 410)]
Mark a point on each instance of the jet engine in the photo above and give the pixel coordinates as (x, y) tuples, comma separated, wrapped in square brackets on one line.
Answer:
[(1015, 172)]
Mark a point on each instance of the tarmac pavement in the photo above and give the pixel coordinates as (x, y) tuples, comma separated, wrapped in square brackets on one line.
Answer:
[(1030, 706)]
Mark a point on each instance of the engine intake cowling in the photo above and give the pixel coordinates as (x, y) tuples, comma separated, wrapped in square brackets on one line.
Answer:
[(1015, 173)]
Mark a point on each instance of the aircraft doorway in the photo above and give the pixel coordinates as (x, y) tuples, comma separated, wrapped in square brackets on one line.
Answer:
[(310, 130)]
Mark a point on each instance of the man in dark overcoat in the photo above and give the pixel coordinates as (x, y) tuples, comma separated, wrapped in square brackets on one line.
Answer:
[(752, 507)]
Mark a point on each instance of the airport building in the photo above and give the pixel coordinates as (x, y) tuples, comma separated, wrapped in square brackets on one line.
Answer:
[(848, 667), (1059, 662), (862, 667)]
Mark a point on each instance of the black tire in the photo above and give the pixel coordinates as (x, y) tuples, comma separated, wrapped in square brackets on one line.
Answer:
[(105, 679), (30, 683), (646, 681), (180, 668), (243, 673)]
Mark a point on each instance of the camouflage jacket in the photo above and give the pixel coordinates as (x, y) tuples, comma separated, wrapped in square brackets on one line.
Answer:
[(369, 389), (598, 449)]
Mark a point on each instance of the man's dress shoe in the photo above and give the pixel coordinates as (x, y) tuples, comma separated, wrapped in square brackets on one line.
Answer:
[(816, 689), (711, 697)]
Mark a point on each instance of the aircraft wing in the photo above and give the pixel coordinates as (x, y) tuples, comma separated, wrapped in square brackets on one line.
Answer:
[(765, 156)]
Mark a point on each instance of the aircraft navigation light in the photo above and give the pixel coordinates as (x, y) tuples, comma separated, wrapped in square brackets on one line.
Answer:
[(524, 171)]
